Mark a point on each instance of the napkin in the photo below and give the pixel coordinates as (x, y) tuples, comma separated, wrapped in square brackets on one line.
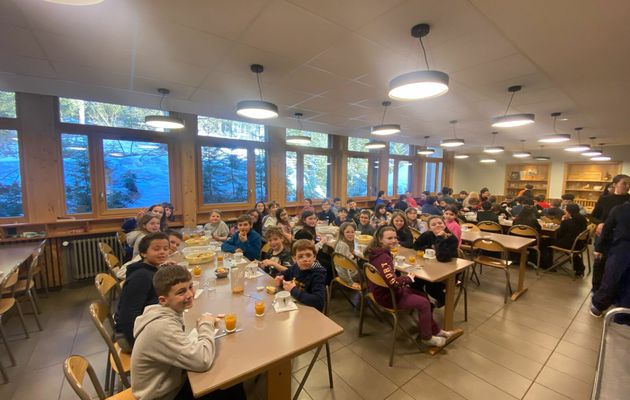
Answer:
[(257, 274), (288, 306), (199, 291)]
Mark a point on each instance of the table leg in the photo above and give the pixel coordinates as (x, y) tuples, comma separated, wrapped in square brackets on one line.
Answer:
[(521, 275), (449, 303), (279, 381)]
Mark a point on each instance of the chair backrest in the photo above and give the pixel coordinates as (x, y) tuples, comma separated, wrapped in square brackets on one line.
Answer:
[(415, 233), (10, 281), (99, 311), (34, 263), (104, 284), (470, 226), (372, 275), (581, 240), (341, 261), (525, 231), (122, 239), (489, 226), (424, 217), (74, 369), (105, 248), (460, 253), (487, 244)]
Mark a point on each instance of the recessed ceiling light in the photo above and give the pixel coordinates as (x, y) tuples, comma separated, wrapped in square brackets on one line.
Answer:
[(422, 84), (162, 121), (461, 156), (257, 109), (512, 120)]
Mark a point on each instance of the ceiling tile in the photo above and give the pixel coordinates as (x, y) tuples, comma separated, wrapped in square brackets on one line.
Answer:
[(27, 66), (150, 86), (91, 76), (309, 79), (169, 71), (19, 41), (239, 58), (11, 13)]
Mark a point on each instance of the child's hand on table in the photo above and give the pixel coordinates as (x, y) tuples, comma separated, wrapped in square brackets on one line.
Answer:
[(288, 285)]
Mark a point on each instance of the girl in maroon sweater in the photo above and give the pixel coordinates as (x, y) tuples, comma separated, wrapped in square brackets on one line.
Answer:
[(378, 252)]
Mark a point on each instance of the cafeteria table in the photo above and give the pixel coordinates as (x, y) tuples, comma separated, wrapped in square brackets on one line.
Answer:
[(265, 345), (14, 255), (513, 243)]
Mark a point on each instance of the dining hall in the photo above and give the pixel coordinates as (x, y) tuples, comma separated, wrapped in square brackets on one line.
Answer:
[(300, 199)]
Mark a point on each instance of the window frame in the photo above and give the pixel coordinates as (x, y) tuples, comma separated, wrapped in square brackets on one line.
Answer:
[(14, 124), (300, 151), (438, 185), (397, 159)]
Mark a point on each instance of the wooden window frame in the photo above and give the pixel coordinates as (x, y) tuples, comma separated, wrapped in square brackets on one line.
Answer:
[(13, 124), (299, 170)]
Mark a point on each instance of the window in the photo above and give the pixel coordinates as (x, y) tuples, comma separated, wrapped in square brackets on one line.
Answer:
[(399, 149), (433, 176), (10, 178), (224, 175), (439, 152), (261, 174), (105, 114), (136, 173), (291, 176), (357, 177), (76, 173), (358, 144), (402, 180), (317, 139), (224, 128), (7, 104), (316, 181), (390, 176), (374, 184)]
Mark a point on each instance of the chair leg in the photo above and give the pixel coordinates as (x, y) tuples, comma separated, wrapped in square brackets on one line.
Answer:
[(33, 304), (6, 344), (361, 314), (21, 315), (329, 359), (391, 355), (508, 286), (44, 281), (33, 295), (465, 304), (5, 377)]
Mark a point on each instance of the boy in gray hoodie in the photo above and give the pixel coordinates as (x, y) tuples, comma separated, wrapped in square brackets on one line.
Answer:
[(163, 352)]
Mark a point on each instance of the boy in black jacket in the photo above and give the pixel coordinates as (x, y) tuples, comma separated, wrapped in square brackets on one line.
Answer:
[(306, 279), (138, 291)]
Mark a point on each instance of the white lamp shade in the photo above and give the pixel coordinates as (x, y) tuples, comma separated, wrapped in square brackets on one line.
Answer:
[(513, 120), (375, 145), (298, 140), (425, 151), (592, 153), (578, 148), (452, 142), (601, 158), (521, 154), (461, 156), (257, 109), (386, 129), (417, 85), (487, 160), (542, 158), (493, 149), (555, 138), (165, 122), (76, 2)]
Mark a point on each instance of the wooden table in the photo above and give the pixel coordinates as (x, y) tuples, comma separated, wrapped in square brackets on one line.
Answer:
[(435, 271), (14, 255), (550, 230), (266, 344), (513, 243)]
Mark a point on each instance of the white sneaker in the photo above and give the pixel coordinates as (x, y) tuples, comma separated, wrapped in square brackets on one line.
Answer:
[(445, 334), (435, 341)]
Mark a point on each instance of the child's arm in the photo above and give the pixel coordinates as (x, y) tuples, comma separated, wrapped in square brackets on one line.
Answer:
[(132, 304), (229, 245), (197, 354), (316, 296), (251, 248)]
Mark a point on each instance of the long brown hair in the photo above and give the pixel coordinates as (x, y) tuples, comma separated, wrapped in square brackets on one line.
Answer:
[(376, 240), (342, 237)]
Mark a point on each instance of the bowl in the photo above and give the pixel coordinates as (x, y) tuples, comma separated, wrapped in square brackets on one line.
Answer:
[(222, 272), (200, 257), (364, 239), (198, 241)]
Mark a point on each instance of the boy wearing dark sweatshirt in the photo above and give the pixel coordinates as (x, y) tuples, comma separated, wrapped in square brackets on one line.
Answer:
[(306, 279), (164, 352), (138, 292), (245, 239)]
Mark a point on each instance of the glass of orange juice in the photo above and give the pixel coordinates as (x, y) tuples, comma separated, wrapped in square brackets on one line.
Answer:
[(394, 250), (230, 323), (196, 271), (420, 253), (259, 307), (412, 259)]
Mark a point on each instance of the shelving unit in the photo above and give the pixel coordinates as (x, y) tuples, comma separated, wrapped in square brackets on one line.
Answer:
[(587, 180), (518, 175)]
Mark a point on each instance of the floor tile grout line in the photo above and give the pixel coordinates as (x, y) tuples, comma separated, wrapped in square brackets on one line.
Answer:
[(554, 350)]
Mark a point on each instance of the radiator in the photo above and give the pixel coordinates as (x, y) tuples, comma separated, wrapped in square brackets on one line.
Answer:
[(84, 257)]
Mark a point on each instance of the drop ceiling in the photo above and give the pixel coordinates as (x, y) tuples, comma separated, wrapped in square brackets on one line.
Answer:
[(332, 60)]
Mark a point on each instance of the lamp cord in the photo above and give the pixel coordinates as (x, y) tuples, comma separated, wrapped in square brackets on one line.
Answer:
[(509, 103), (259, 85), (383, 118), (161, 100), (424, 51)]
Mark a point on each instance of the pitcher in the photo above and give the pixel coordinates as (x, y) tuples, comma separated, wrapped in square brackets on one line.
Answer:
[(237, 279)]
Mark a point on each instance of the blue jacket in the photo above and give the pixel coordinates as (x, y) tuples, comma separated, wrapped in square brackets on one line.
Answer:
[(310, 285), (251, 248), (431, 209)]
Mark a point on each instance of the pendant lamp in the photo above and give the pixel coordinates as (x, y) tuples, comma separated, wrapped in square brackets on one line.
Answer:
[(385, 129), (163, 121), (555, 137), (522, 153), (425, 150), (578, 148), (493, 149), (375, 145), (454, 142), (461, 156), (420, 84), (257, 109), (512, 120), (299, 139)]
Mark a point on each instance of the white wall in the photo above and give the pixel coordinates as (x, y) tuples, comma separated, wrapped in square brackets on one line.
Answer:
[(471, 175)]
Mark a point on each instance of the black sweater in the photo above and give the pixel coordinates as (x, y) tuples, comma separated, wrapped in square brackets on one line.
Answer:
[(327, 216), (487, 216), (137, 293), (616, 229), (310, 285), (283, 258), (445, 247), (405, 237), (605, 204), (569, 230)]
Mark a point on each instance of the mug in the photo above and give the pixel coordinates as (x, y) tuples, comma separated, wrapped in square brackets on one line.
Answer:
[(429, 253), (282, 297)]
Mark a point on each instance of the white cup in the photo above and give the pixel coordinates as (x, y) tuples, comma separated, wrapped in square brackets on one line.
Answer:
[(238, 258), (429, 253), (282, 297)]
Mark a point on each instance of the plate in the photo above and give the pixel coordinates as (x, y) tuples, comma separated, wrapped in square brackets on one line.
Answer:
[(200, 257), (199, 241)]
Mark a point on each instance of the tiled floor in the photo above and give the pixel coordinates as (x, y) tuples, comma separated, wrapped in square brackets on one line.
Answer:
[(543, 346)]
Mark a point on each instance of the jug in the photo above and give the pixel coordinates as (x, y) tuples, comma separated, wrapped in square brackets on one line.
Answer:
[(237, 279)]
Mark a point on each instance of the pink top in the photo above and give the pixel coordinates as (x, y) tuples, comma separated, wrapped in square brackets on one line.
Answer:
[(455, 229)]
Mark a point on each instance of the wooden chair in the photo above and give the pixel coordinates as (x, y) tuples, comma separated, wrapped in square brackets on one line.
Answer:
[(105, 248), (502, 263), (342, 262), (39, 271), (106, 287), (461, 284), (25, 287), (528, 231), (424, 217), (117, 361), (578, 247), (113, 266), (470, 226), (122, 241), (490, 226), (74, 369), (415, 233), (6, 304), (372, 275)]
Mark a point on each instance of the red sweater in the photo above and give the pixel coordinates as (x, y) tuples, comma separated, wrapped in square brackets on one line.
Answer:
[(383, 261)]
